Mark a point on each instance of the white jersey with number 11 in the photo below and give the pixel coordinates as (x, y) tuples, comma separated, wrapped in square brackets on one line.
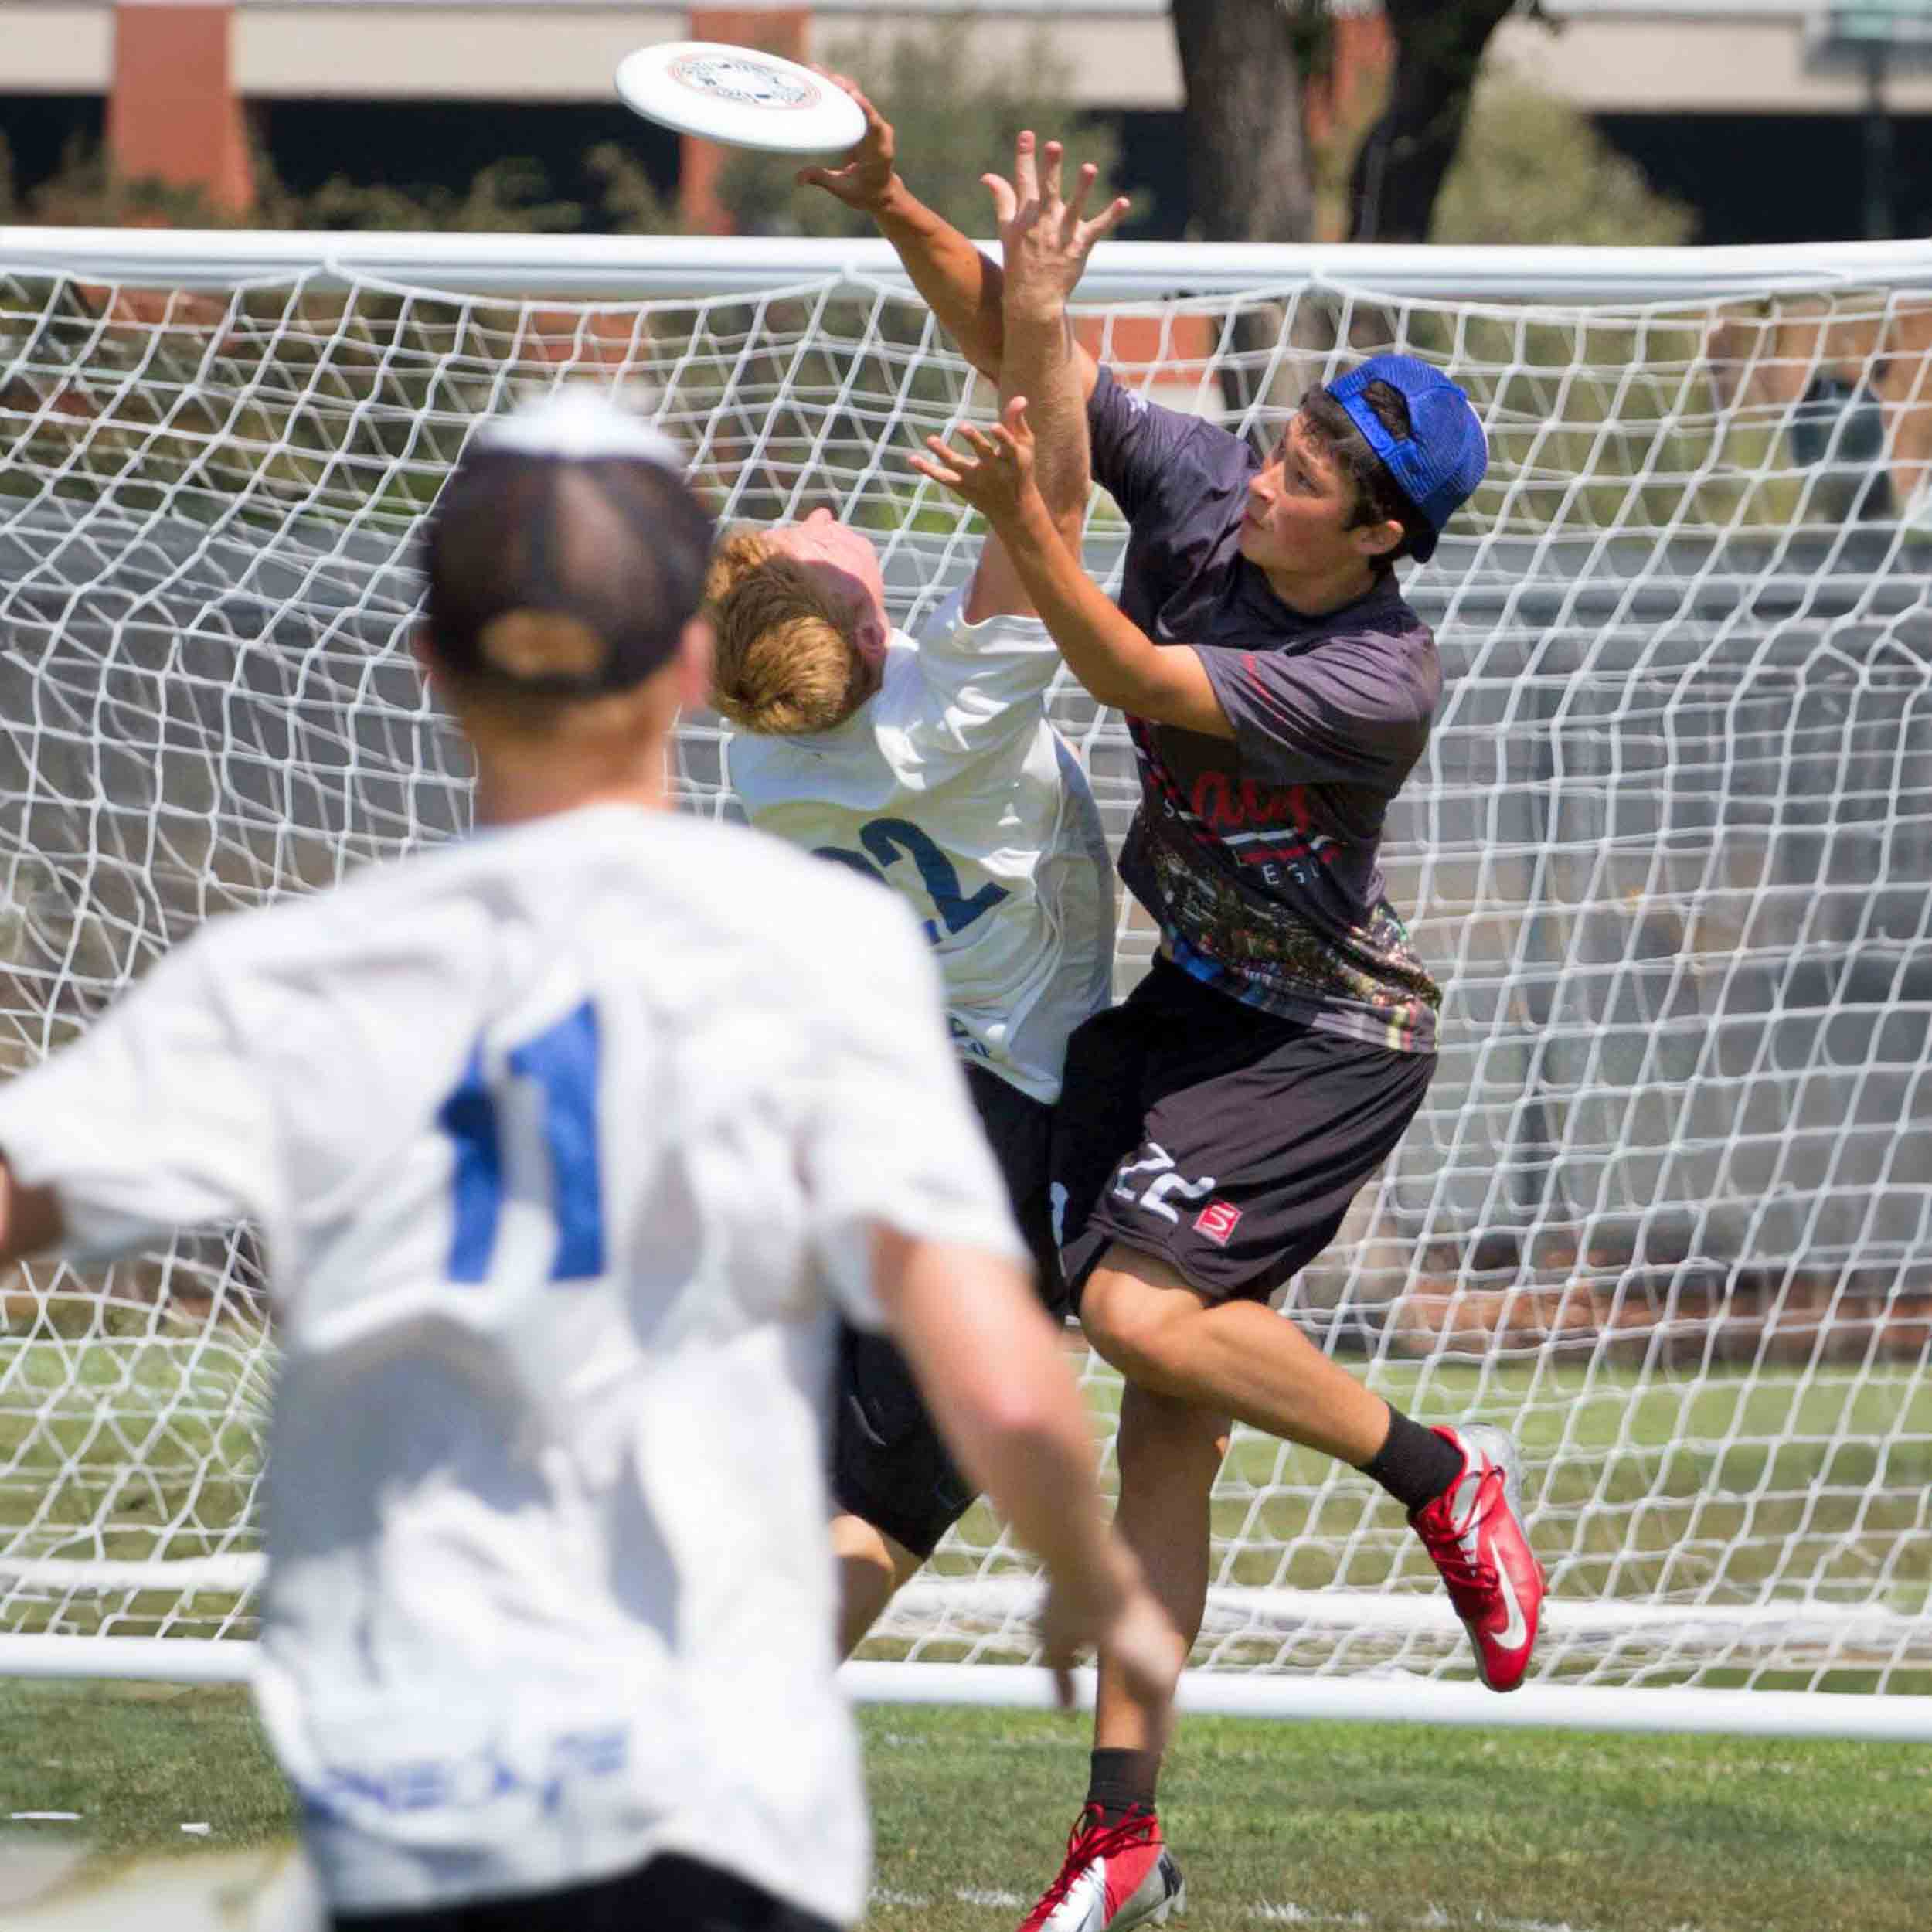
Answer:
[(565, 1143)]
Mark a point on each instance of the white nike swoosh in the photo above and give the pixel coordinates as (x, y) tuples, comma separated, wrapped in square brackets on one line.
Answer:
[(1517, 1628), (1084, 1908)]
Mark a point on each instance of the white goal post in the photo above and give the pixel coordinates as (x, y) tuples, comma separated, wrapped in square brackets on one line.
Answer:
[(1667, 1214)]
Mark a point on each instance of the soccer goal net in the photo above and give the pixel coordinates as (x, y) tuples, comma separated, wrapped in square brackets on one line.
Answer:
[(1667, 1215)]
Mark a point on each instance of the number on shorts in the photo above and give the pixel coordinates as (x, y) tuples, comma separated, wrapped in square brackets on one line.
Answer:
[(1166, 1181)]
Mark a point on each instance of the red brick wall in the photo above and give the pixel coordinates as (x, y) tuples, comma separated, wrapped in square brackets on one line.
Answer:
[(172, 114), (782, 31)]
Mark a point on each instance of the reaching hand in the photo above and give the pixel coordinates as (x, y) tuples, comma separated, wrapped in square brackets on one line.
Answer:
[(997, 474), (862, 182), (1046, 238)]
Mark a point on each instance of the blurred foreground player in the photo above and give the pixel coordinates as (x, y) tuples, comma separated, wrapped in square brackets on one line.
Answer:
[(1278, 690), (564, 1140), (927, 761)]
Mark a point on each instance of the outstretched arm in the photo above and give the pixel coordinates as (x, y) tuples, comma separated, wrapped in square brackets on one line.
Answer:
[(1045, 239), (963, 288), (1114, 659)]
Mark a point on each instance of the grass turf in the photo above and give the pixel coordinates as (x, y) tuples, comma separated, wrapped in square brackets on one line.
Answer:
[(1372, 1827)]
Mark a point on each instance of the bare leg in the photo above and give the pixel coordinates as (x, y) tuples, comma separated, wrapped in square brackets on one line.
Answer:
[(872, 1566), (1230, 1358), (1169, 1452)]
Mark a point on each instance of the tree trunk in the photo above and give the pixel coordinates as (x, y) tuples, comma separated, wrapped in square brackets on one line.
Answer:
[(1243, 64), (1241, 67), (1439, 49)]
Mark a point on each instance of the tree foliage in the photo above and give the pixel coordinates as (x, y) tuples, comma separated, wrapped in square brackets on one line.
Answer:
[(1533, 168), (512, 195)]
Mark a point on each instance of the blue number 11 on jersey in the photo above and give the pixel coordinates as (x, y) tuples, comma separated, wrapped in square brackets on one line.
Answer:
[(562, 1062)]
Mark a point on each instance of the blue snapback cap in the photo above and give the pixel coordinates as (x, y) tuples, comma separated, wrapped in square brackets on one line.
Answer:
[(1442, 458)]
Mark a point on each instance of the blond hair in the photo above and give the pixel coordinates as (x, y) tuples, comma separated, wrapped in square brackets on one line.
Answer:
[(788, 656)]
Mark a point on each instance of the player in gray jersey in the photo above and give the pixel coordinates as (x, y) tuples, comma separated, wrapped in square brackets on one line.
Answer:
[(566, 1143), (926, 762), (1214, 1128)]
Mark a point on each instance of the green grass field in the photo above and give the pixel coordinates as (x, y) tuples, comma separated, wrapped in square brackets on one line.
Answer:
[(1275, 1824)]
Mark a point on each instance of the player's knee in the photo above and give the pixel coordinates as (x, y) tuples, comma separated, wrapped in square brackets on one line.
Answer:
[(1131, 1326)]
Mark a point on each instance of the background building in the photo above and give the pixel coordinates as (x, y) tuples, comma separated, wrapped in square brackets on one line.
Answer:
[(1714, 99)]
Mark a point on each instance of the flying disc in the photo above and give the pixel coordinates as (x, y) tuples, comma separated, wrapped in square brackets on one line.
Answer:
[(740, 95)]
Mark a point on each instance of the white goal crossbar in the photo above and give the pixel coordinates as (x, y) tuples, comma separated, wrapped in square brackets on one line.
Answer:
[(1667, 1212)]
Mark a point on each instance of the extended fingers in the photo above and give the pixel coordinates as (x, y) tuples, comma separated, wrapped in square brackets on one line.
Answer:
[(1053, 154), (1025, 166), (947, 479), (1005, 202), (1109, 219), (1082, 186)]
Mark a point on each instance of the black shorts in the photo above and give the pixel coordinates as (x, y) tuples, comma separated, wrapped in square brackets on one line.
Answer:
[(670, 1894), (887, 1463), (1224, 1141)]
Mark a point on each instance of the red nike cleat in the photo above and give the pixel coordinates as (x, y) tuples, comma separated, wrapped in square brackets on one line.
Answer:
[(1473, 1533), (1116, 1875)]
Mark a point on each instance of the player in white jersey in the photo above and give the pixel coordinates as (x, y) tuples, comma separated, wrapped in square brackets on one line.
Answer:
[(565, 1142), (928, 762)]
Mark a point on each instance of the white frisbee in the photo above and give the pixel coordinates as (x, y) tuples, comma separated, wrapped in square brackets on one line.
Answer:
[(740, 95)]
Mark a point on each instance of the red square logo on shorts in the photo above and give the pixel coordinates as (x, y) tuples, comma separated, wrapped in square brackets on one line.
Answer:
[(1217, 1221)]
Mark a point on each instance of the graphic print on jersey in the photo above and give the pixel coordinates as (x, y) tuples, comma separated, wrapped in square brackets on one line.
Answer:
[(884, 840), (1218, 896)]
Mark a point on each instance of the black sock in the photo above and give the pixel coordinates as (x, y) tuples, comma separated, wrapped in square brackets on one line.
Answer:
[(1414, 1464), (1123, 1781)]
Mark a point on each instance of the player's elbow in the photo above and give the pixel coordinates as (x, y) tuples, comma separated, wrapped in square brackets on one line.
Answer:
[(1108, 684), (1156, 699)]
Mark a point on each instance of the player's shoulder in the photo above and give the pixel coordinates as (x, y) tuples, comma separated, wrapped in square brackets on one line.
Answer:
[(1181, 437), (1389, 624), (1382, 640), (946, 628)]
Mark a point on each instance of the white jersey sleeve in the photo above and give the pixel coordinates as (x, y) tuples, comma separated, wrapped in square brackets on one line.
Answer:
[(891, 1136), (153, 1120), (985, 668)]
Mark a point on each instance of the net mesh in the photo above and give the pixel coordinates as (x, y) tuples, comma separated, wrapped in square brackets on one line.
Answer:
[(1667, 1214)]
